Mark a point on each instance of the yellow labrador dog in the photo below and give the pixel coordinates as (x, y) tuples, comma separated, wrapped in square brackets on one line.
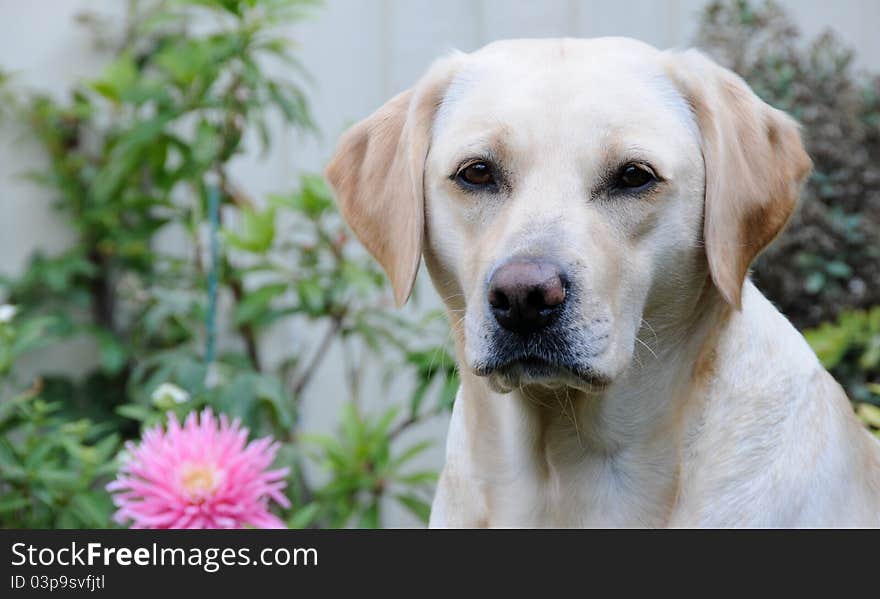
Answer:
[(588, 211)]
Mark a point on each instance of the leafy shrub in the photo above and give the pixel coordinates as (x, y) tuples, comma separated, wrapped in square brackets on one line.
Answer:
[(354, 491), (178, 273), (828, 259), (49, 463)]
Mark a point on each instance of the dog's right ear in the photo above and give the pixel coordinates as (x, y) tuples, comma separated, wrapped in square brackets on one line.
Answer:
[(378, 175)]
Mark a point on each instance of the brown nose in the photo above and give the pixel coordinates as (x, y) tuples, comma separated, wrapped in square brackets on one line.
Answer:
[(525, 293)]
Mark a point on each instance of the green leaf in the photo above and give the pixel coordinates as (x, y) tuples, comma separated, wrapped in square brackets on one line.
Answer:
[(383, 425), (8, 458), (12, 504), (207, 144), (422, 477), (370, 516), (58, 478), (126, 157), (311, 296), (255, 233), (418, 396), (410, 453), (449, 391), (304, 516), (274, 395), (106, 447), (416, 506), (869, 414), (38, 455), (838, 269), (830, 343), (814, 283), (32, 334), (113, 354), (290, 102), (870, 358), (67, 519), (352, 425), (238, 398), (255, 303), (135, 412), (93, 508), (118, 77), (312, 199)]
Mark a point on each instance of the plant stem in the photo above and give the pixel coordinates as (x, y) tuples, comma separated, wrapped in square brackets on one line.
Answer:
[(103, 296), (321, 352), (237, 287), (296, 391), (245, 330), (352, 374), (411, 420), (235, 193)]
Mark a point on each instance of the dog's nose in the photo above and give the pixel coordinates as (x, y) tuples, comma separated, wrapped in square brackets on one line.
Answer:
[(524, 294)]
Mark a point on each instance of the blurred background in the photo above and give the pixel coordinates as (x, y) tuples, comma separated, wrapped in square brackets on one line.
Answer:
[(168, 242)]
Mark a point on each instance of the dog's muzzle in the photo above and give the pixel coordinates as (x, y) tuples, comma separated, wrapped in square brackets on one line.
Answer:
[(532, 331)]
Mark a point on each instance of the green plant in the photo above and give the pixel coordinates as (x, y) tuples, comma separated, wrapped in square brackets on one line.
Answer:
[(178, 273), (828, 259), (52, 467), (364, 469), (850, 349)]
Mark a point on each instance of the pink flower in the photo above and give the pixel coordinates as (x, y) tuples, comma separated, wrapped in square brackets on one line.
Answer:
[(203, 474)]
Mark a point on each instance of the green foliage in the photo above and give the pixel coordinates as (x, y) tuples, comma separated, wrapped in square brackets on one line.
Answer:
[(828, 259), (850, 349), (870, 414), (133, 155), (364, 468), (53, 468)]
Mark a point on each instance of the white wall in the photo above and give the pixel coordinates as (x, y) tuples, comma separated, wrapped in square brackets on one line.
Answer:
[(360, 52)]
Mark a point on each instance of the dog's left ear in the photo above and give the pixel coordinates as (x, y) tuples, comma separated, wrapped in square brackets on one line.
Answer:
[(755, 164), (378, 175)]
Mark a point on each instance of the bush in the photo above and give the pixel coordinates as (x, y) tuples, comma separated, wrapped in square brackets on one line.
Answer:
[(49, 462), (139, 162), (850, 349), (828, 259)]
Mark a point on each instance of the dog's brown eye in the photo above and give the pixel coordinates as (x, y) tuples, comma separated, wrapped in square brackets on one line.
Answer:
[(634, 176), (478, 174)]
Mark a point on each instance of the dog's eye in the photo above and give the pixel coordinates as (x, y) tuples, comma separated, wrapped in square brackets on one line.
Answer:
[(634, 176), (477, 174)]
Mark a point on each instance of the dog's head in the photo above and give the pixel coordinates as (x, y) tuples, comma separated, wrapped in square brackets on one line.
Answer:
[(562, 189)]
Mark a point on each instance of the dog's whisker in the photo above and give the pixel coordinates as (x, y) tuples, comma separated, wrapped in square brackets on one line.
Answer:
[(650, 328), (574, 418), (648, 347)]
